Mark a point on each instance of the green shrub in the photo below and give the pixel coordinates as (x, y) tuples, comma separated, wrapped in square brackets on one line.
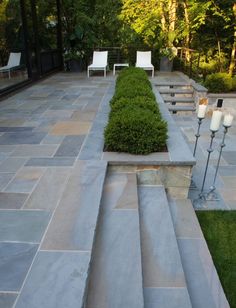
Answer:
[(138, 101), (139, 73), (136, 131), (139, 89), (133, 81), (219, 82)]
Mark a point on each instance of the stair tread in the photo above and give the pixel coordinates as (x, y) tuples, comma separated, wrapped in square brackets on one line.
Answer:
[(162, 267), (116, 270), (203, 283), (178, 99), (72, 229), (175, 91), (173, 83), (166, 297), (181, 108)]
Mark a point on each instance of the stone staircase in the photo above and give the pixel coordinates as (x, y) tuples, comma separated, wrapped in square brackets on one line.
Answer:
[(149, 251), (177, 95), (121, 244)]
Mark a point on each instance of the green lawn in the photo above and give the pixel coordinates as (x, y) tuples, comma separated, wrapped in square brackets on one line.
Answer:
[(219, 228)]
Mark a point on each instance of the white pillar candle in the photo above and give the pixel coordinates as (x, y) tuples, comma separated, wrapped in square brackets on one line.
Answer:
[(215, 120), (228, 119), (201, 111)]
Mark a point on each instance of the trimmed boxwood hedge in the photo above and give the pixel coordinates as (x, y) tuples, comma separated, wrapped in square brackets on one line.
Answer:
[(135, 123), (138, 101), (136, 72), (132, 91)]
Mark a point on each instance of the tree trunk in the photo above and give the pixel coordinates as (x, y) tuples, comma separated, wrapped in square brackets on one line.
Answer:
[(187, 22), (172, 15), (232, 60), (163, 18)]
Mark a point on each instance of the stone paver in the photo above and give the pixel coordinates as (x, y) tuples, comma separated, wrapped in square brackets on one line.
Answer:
[(15, 260), (12, 200), (70, 128), (48, 192), (23, 226), (62, 274), (7, 299)]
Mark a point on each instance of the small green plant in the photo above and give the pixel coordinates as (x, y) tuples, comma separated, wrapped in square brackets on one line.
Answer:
[(169, 52), (218, 82), (136, 131), (74, 54)]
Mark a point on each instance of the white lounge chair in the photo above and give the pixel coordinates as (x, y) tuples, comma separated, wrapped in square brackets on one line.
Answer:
[(13, 63), (99, 62), (143, 60)]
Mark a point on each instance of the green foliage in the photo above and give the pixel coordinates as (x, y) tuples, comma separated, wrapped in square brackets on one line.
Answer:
[(107, 22), (135, 124), (136, 131), (219, 228), (234, 83), (136, 72), (131, 81), (78, 25), (138, 101), (219, 82), (133, 91)]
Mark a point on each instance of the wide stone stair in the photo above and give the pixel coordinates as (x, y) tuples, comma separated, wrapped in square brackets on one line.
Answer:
[(149, 251), (177, 95)]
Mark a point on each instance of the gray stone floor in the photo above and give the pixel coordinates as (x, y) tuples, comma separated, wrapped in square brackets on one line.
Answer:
[(43, 161), (42, 132)]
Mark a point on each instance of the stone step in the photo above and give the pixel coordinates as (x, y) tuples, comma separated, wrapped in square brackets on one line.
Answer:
[(172, 84), (170, 99), (116, 271), (203, 283), (175, 91), (59, 274), (181, 108), (163, 276)]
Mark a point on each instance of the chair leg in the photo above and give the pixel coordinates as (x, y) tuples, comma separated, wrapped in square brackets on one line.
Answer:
[(9, 74), (152, 73), (105, 72), (88, 72)]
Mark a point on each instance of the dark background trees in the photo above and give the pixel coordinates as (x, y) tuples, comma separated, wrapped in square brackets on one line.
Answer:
[(209, 27)]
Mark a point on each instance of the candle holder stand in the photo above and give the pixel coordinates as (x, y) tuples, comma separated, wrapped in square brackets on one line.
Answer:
[(212, 194), (197, 135), (200, 202)]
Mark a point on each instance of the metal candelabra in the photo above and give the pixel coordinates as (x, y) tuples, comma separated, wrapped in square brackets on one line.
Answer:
[(197, 135), (212, 195), (199, 203)]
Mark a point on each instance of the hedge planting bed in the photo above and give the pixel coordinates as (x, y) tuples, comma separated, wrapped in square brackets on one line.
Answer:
[(135, 123)]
